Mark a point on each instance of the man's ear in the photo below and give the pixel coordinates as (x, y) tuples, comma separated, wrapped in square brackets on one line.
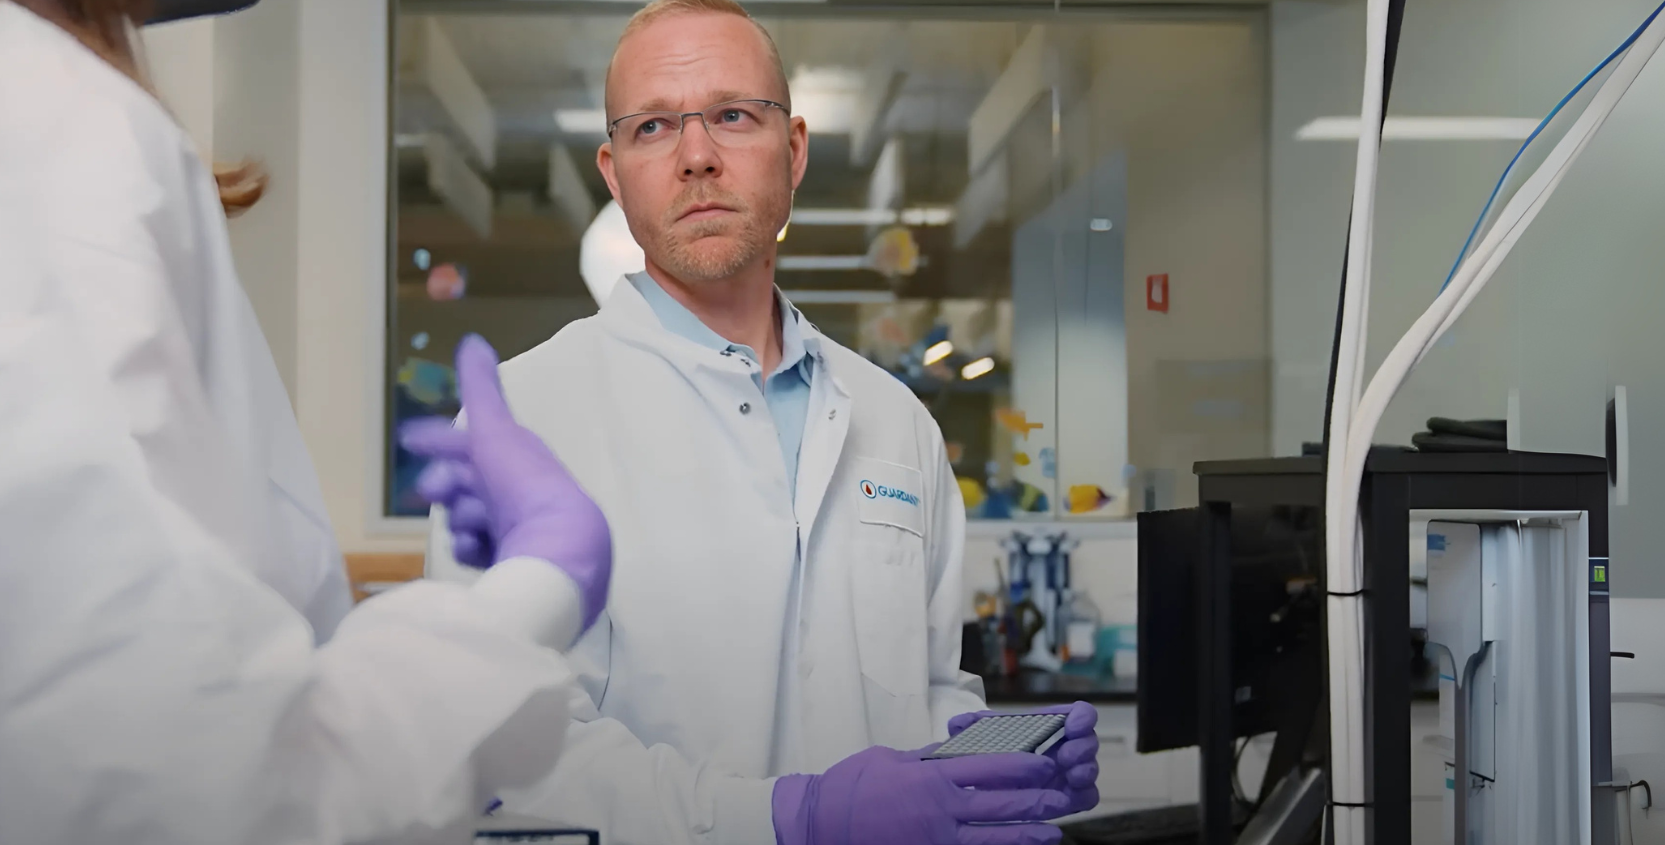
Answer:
[(797, 140), (604, 163)]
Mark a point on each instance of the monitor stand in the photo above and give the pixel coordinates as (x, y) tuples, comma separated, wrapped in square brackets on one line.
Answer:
[(1289, 815), (1294, 790)]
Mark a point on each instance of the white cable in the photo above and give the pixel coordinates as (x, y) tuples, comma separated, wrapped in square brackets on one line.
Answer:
[(1345, 621), (1478, 269), (1346, 469)]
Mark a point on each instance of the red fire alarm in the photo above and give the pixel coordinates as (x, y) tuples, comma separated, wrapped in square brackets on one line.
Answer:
[(1156, 293)]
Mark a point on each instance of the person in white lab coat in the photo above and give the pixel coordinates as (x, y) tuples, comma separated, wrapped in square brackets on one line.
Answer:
[(162, 539), (788, 529)]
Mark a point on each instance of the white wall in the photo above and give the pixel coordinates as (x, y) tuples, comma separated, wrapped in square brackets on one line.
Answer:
[(257, 116), (342, 260), (1069, 337), (1183, 104), (1186, 101), (1576, 308), (180, 59), (232, 83), (302, 85)]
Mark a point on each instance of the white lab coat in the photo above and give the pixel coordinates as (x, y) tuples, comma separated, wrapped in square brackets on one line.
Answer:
[(689, 706), (161, 538)]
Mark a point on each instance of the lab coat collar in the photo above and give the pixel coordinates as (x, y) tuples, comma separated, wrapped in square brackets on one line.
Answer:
[(627, 314), (629, 317), (676, 318)]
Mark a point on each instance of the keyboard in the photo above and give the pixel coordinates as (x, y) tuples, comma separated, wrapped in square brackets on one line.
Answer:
[(1159, 826)]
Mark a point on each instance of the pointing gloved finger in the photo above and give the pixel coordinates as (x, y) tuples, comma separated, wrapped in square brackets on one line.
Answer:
[(1011, 805), (442, 482), (1009, 834), (998, 771), (434, 437), (471, 550), (468, 515), (477, 382)]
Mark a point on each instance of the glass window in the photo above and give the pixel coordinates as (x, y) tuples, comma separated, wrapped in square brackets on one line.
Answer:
[(1048, 223)]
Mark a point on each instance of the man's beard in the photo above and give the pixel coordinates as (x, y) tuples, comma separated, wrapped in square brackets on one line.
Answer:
[(710, 250)]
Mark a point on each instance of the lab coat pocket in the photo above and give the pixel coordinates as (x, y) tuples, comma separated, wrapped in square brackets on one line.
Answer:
[(888, 588)]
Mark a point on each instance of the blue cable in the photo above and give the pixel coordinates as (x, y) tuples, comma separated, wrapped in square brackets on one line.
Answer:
[(1501, 180)]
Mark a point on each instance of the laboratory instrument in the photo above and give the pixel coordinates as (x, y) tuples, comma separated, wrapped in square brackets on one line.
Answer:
[(1351, 422), (1514, 546)]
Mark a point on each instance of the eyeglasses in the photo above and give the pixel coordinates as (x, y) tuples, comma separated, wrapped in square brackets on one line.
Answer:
[(736, 123)]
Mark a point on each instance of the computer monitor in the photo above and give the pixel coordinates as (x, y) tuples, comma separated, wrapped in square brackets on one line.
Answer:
[(1277, 577)]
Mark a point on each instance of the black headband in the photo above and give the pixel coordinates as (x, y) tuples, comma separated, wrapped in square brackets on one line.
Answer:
[(164, 11)]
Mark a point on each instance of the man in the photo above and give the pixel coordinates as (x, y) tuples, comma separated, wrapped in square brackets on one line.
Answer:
[(788, 532)]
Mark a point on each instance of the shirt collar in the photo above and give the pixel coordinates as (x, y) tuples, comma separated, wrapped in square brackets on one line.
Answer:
[(797, 349)]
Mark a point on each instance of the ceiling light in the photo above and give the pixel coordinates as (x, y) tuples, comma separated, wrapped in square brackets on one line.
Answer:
[(823, 262), (581, 121), (979, 367), (873, 216), (826, 98), (1423, 129), (927, 216), (938, 351)]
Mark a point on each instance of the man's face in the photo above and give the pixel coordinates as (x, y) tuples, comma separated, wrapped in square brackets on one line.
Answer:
[(703, 206)]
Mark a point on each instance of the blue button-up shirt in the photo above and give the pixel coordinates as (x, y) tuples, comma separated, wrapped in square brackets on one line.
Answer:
[(785, 391)]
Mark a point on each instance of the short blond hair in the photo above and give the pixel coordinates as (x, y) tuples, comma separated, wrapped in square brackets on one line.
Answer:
[(665, 8)]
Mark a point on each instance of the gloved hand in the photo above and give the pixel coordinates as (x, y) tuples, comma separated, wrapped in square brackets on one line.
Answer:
[(1076, 754), (505, 493), (882, 796)]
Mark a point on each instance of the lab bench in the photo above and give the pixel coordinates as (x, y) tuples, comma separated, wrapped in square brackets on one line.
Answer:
[(1042, 688)]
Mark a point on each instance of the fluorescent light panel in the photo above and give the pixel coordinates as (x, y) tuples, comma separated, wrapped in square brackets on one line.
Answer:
[(823, 262), (938, 351), (581, 121), (977, 368), (872, 216), (1423, 129)]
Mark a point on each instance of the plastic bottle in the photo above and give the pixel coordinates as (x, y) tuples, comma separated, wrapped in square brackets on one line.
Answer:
[(1081, 621)]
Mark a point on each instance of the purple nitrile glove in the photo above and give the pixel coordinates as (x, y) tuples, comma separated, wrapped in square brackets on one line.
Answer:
[(882, 796), (1076, 754), (505, 493)]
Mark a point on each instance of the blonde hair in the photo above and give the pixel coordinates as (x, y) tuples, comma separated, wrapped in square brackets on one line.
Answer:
[(665, 8), (106, 28)]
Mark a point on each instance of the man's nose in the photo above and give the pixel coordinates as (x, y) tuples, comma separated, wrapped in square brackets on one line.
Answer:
[(697, 153)]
